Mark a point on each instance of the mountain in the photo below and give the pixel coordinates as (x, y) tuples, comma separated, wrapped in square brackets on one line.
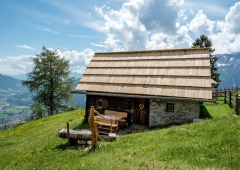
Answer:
[(7, 82), (77, 99), (229, 69)]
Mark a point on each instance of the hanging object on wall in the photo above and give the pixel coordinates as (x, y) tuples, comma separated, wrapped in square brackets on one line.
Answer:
[(141, 106)]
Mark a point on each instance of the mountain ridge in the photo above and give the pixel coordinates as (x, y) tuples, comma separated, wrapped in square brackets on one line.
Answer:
[(229, 69), (8, 82)]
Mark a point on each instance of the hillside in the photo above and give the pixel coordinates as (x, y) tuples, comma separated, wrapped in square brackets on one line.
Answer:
[(211, 144)]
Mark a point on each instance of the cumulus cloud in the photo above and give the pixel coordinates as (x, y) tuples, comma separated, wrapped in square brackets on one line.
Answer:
[(159, 16), (78, 60), (201, 24), (130, 27), (164, 41), (227, 37), (16, 65), (233, 19), (122, 27), (153, 24)]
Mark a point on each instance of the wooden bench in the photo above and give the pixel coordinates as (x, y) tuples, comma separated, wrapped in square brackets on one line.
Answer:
[(106, 124), (122, 122)]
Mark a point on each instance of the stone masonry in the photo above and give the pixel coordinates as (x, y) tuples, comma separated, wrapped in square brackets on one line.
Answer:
[(184, 111)]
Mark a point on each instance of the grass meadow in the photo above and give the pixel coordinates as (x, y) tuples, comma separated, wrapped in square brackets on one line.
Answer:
[(211, 144)]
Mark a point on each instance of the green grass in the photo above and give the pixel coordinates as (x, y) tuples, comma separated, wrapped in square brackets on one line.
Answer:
[(211, 144)]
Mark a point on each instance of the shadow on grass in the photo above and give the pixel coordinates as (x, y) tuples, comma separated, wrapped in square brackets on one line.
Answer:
[(204, 114), (62, 146), (81, 125)]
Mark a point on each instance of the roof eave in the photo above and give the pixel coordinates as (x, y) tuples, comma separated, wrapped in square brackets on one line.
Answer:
[(140, 96)]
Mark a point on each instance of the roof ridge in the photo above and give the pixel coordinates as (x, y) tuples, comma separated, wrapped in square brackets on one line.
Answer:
[(153, 51)]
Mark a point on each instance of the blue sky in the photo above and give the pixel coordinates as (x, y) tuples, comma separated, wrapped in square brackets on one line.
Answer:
[(78, 28)]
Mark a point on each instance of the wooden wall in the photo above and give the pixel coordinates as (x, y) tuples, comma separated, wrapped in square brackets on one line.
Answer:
[(121, 104)]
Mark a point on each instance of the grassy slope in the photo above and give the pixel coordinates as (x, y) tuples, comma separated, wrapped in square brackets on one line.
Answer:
[(213, 143)]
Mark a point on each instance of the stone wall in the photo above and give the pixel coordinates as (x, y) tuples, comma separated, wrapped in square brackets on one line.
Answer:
[(184, 111)]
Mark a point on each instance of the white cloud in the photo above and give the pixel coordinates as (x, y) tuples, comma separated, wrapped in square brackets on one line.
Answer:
[(122, 28), (233, 19), (24, 46), (41, 28), (227, 37), (210, 7), (66, 21), (99, 45), (164, 41), (201, 24), (17, 65), (159, 15), (78, 60), (130, 27), (140, 25)]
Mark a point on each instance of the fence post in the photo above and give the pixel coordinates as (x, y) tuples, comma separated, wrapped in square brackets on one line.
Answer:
[(68, 135), (225, 96), (237, 103), (5, 127), (230, 99), (216, 94)]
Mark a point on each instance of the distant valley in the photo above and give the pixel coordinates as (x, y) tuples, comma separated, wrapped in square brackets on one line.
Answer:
[(15, 101)]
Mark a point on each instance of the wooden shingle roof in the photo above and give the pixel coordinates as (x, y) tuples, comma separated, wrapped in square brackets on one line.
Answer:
[(183, 73)]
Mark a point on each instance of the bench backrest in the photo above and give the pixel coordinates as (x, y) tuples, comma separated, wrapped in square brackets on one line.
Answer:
[(110, 112), (105, 120)]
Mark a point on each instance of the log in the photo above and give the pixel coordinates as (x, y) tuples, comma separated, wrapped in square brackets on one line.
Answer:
[(86, 135)]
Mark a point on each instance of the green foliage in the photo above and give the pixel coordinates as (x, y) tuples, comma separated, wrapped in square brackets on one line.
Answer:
[(204, 41), (38, 108), (50, 80), (211, 144)]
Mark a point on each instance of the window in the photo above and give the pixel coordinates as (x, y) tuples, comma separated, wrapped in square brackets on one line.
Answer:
[(170, 107), (99, 104), (102, 103)]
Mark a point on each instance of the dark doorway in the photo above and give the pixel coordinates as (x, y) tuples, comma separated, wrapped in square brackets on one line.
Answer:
[(142, 111)]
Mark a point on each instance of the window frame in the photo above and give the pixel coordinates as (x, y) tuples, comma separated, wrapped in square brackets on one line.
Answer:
[(101, 103), (170, 107)]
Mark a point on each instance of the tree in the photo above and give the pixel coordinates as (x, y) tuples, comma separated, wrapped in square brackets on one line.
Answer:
[(38, 109), (204, 41), (50, 80)]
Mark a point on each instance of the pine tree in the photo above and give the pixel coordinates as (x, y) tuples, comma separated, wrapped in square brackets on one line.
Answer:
[(204, 41), (50, 80)]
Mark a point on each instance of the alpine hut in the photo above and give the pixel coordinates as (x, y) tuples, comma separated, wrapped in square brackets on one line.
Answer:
[(156, 87)]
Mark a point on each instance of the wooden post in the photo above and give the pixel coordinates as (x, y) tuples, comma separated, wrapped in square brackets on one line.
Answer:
[(225, 96), (93, 128), (216, 94), (68, 135), (237, 103), (5, 127), (86, 116), (230, 99), (111, 126)]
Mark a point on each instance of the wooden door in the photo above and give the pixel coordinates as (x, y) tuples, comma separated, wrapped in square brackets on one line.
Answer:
[(142, 111)]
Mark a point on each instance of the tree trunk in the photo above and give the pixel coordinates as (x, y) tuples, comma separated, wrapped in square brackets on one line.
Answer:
[(86, 135)]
